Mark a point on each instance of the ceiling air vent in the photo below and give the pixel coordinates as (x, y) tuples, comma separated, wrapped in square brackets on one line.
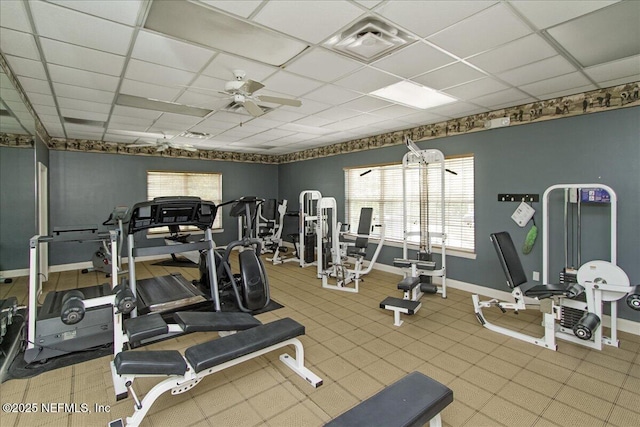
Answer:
[(195, 135), (369, 40)]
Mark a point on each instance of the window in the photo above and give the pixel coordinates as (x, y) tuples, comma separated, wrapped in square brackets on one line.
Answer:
[(207, 186), (380, 187)]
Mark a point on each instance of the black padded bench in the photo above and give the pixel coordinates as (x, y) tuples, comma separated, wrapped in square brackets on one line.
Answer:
[(410, 402), (399, 305), (204, 359), (153, 325)]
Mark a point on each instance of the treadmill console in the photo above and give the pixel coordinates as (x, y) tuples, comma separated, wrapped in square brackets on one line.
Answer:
[(167, 211)]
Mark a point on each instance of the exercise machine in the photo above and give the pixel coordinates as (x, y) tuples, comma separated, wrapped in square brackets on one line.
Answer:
[(103, 257), (270, 224), (420, 271), (597, 281), (335, 252), (73, 320), (248, 290), (307, 240), (289, 233)]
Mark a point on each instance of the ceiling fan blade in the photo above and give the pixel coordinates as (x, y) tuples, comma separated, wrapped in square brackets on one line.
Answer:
[(186, 147), (278, 100), (251, 86), (253, 108)]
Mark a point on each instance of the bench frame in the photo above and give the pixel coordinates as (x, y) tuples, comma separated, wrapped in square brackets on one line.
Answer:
[(178, 384)]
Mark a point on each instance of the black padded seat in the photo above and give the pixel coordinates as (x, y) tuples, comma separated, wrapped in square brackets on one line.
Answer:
[(408, 283), (389, 303), (195, 321), (410, 402), (161, 362), (212, 353), (143, 327)]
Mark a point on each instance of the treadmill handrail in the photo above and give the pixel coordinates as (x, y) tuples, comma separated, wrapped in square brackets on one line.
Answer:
[(175, 210), (172, 249)]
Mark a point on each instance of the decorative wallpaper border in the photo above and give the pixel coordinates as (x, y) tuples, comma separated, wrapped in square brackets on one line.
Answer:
[(615, 97)]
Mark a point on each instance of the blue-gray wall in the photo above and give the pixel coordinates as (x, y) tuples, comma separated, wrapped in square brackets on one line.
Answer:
[(85, 187), (597, 148), (17, 206)]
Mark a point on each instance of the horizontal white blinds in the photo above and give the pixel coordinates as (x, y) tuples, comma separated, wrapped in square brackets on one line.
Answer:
[(380, 187), (207, 186)]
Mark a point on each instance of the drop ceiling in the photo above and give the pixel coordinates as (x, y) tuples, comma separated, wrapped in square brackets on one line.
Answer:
[(76, 59)]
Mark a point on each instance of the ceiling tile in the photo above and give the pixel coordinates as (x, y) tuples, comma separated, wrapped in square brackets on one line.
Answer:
[(312, 21), (123, 123), (394, 111), (308, 107), (628, 67), (366, 104), (589, 47), (367, 80), (203, 100), (422, 118), (544, 14), (493, 27), (515, 54), (426, 18), (290, 84), (578, 91), (14, 16), (125, 12), (123, 111), (76, 77), (313, 121), (147, 90), (157, 74), (242, 8), (26, 67), (162, 50), (506, 97), (35, 85), (415, 59), (86, 94), (554, 84), (119, 138), (178, 120), (537, 71), (457, 109), (67, 25), (451, 75), (332, 95), (208, 86), (475, 88), (39, 99), (80, 57), (337, 113), (77, 104), (223, 65), (45, 110), (323, 65), (84, 114), (19, 44), (282, 115)]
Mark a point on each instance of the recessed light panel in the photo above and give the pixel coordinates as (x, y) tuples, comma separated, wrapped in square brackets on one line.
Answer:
[(191, 22), (413, 95)]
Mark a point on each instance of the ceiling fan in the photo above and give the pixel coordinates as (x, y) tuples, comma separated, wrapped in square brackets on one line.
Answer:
[(163, 143), (241, 91)]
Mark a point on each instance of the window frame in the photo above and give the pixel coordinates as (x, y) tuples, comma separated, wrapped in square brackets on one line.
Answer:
[(216, 176), (463, 192)]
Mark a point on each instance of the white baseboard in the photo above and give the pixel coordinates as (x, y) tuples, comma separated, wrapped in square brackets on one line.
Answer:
[(624, 325)]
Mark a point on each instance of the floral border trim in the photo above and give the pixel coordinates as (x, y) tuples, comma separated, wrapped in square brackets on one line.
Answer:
[(621, 96), (615, 97)]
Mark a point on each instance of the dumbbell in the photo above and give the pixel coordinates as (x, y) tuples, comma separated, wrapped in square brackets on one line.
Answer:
[(125, 301), (586, 326), (73, 309)]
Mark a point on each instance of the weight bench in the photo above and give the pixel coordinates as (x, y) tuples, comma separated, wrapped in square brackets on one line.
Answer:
[(410, 402), (201, 360)]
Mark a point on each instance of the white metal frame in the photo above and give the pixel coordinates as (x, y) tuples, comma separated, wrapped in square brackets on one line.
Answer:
[(421, 159), (308, 219), (603, 282), (180, 383)]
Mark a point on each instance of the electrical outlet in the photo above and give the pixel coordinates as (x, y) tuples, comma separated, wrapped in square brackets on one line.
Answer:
[(536, 276)]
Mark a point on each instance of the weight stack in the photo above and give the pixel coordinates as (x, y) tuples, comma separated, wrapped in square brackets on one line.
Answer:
[(425, 256), (570, 316)]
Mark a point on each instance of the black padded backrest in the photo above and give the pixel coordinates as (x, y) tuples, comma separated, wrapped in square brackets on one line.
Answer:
[(509, 259), (364, 227), (269, 209)]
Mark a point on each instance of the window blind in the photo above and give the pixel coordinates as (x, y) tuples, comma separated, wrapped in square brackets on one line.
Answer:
[(207, 186), (381, 189)]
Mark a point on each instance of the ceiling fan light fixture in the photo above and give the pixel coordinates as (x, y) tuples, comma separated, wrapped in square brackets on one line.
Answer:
[(369, 39), (413, 95)]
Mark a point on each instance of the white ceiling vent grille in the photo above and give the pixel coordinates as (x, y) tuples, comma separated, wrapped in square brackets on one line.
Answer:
[(235, 107), (369, 39)]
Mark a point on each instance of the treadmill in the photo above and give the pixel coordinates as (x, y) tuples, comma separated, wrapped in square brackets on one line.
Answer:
[(172, 292)]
